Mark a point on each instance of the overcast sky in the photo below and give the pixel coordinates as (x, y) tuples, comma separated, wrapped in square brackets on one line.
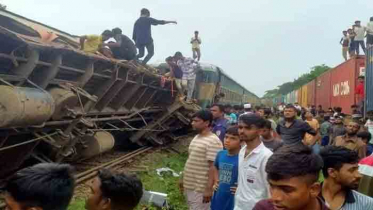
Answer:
[(261, 44)]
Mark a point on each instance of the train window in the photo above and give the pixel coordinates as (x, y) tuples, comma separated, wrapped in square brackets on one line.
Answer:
[(208, 76)]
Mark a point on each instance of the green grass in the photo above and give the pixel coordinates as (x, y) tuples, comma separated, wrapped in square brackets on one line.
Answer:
[(167, 184), (152, 182), (77, 204)]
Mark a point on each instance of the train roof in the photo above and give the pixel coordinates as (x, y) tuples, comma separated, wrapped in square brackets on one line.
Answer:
[(209, 67)]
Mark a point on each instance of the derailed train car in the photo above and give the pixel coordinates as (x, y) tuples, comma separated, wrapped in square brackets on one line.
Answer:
[(61, 104)]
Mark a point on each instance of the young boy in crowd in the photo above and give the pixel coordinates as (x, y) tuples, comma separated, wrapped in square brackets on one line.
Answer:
[(226, 171), (267, 137)]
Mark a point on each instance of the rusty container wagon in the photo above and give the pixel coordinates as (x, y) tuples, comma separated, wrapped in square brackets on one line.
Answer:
[(59, 104)]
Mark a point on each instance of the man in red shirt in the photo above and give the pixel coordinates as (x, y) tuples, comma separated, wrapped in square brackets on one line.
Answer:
[(360, 93)]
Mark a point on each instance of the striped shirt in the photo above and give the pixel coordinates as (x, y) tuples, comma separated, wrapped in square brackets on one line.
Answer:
[(187, 67), (355, 201), (201, 150)]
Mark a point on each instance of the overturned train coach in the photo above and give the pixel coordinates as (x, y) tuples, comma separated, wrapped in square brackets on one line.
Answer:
[(61, 104)]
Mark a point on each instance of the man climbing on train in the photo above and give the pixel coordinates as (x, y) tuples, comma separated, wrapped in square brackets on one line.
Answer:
[(188, 68)]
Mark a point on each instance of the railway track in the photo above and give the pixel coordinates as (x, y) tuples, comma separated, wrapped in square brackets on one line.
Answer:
[(111, 164), (88, 169)]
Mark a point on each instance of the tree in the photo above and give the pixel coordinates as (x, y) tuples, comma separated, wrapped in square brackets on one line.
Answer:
[(287, 87)]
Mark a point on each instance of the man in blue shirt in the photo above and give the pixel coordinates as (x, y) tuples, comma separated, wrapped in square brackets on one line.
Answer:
[(226, 171), (142, 34), (220, 124)]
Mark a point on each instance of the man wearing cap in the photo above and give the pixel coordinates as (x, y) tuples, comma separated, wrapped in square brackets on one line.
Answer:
[(360, 36), (247, 108)]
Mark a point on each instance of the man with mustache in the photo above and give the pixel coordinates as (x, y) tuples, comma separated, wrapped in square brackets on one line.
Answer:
[(342, 179)]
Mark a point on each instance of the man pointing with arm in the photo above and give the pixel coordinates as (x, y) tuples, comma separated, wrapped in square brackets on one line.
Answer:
[(142, 34)]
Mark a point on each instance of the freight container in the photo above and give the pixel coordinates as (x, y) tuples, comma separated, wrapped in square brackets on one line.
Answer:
[(323, 90), (287, 98), (311, 92), (369, 80), (299, 95), (343, 83), (304, 102), (296, 96), (292, 97)]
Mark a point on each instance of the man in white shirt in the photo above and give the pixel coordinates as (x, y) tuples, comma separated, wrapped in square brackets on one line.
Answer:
[(252, 178), (360, 36), (370, 33), (196, 42)]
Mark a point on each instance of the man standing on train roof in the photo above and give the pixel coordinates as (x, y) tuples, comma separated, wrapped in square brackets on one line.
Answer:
[(219, 124), (345, 42), (196, 48), (360, 36), (142, 34), (292, 130)]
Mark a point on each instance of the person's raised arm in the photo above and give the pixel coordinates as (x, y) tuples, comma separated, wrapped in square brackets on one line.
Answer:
[(82, 40), (160, 22)]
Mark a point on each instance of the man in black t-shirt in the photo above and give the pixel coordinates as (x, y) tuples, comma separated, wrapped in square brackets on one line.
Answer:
[(142, 34)]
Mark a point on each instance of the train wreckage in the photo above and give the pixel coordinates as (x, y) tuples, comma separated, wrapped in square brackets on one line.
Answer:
[(61, 104)]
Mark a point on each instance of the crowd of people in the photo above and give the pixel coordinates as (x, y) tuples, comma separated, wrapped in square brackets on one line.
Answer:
[(354, 38), (242, 158)]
